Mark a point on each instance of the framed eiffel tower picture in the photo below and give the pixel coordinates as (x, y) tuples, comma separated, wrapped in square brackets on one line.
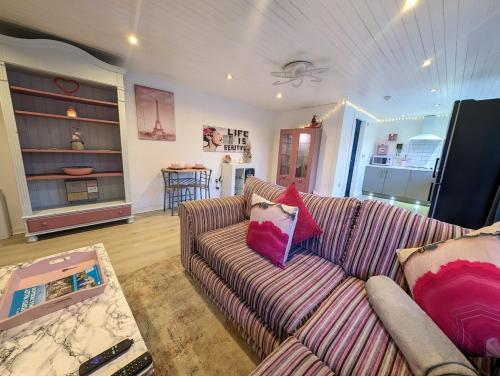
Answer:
[(155, 114)]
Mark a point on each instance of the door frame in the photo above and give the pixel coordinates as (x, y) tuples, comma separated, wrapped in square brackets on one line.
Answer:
[(353, 155)]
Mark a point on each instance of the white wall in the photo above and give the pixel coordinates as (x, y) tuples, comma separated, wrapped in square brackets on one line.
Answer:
[(336, 144), (347, 126), (330, 138), (404, 129), (193, 109), (409, 128)]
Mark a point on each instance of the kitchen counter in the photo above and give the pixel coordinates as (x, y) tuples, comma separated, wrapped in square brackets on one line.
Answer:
[(410, 184), (404, 167)]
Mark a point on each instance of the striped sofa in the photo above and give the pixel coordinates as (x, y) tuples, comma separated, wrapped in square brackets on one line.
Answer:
[(312, 317)]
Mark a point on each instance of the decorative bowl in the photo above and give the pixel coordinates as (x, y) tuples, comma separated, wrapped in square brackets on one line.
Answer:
[(78, 170)]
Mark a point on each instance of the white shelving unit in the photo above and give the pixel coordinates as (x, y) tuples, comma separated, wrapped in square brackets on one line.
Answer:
[(39, 132), (234, 176)]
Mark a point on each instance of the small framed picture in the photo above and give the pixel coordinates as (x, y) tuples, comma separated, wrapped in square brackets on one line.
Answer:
[(393, 136), (382, 149)]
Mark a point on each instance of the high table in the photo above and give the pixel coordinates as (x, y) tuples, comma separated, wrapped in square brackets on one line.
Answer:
[(177, 186), (57, 343)]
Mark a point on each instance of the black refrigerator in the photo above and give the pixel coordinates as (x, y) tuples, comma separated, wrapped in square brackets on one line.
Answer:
[(467, 179)]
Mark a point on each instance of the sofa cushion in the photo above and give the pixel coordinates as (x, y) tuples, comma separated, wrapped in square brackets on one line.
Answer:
[(306, 227), (335, 216), (347, 336), (252, 328), (457, 283), (271, 229), (283, 298), (292, 358), (381, 229)]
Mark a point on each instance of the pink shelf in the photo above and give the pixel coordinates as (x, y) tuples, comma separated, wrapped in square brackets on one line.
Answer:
[(69, 98), (64, 176), (64, 117), (87, 151)]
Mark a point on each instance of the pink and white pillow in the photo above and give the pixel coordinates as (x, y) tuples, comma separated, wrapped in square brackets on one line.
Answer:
[(457, 283), (271, 228)]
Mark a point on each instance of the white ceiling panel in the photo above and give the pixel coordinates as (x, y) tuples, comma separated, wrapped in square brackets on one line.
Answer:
[(371, 47)]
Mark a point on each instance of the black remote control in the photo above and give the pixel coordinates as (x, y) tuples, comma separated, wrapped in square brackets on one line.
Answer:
[(106, 356), (135, 366)]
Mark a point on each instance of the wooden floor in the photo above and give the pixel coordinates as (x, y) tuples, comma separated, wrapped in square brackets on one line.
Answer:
[(151, 238)]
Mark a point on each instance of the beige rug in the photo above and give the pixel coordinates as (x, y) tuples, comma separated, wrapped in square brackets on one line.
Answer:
[(184, 331)]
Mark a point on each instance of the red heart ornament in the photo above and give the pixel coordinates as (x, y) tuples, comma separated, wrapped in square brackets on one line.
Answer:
[(69, 87)]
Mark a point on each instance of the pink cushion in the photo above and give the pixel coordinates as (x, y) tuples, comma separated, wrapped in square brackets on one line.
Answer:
[(270, 229), (306, 226), (457, 283)]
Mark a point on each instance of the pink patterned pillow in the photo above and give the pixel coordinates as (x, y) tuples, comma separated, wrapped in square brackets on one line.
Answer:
[(457, 283), (270, 230)]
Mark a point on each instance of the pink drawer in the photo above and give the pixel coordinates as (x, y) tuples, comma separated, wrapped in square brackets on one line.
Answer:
[(73, 219)]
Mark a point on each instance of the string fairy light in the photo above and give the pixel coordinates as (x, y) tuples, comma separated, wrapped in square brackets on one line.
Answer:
[(346, 102), (410, 117), (337, 106)]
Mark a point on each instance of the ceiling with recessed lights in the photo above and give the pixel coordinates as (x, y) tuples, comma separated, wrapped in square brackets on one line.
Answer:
[(372, 48)]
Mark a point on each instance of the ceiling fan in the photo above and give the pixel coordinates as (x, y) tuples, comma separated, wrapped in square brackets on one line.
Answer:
[(296, 71)]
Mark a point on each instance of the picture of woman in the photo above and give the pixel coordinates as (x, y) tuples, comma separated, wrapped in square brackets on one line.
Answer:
[(212, 139)]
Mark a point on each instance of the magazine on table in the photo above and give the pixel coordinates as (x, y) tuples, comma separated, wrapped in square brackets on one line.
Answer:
[(32, 296)]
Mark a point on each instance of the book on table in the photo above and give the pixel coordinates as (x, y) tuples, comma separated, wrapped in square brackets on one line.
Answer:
[(32, 296)]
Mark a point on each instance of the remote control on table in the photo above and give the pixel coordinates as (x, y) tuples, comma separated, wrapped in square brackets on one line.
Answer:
[(106, 356), (135, 366)]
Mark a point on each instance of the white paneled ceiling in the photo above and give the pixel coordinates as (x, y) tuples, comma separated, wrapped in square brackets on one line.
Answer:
[(371, 47)]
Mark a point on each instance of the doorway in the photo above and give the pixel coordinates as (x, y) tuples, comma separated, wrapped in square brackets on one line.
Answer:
[(352, 161)]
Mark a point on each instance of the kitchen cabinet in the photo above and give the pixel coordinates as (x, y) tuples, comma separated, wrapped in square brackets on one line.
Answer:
[(402, 183), (298, 157), (374, 179), (419, 185), (395, 182)]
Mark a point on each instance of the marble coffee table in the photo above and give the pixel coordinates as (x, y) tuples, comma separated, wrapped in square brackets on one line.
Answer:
[(56, 344)]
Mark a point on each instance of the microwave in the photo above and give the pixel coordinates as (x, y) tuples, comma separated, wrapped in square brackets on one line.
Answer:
[(381, 160)]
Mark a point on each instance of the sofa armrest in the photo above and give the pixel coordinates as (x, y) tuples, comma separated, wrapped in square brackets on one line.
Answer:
[(426, 348), (204, 215)]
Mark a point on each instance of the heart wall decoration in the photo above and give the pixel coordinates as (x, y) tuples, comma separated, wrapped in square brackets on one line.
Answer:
[(69, 87)]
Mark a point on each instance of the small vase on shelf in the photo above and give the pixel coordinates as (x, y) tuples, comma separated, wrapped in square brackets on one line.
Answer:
[(77, 141)]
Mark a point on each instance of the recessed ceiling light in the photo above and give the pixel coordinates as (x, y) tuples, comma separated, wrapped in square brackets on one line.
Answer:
[(433, 90), (409, 4), (279, 95), (437, 105), (133, 39), (426, 63), (229, 76)]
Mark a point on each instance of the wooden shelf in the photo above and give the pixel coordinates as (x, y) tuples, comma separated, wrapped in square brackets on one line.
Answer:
[(64, 176), (69, 98), (64, 117), (70, 151)]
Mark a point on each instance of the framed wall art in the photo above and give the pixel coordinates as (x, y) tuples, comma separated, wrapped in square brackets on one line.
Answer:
[(227, 140), (155, 114)]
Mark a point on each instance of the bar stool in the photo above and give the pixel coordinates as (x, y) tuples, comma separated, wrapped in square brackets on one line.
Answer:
[(175, 188), (203, 183)]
